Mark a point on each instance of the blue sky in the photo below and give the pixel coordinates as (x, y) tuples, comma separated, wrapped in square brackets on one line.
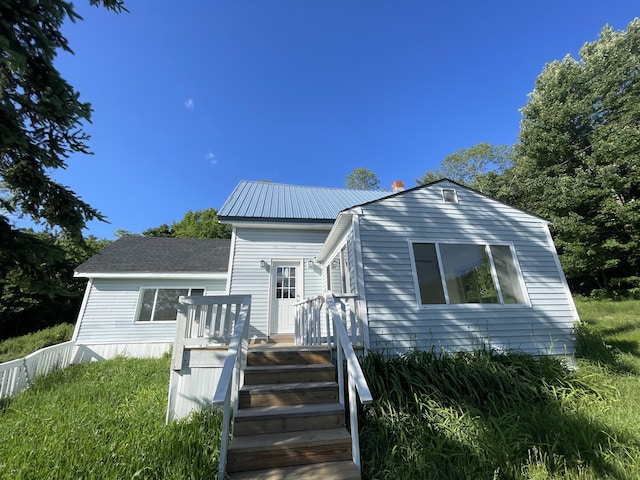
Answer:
[(191, 97)]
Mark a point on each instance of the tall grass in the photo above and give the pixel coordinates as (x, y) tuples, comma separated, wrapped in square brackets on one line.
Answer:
[(466, 416), (104, 420), (484, 416), (18, 347)]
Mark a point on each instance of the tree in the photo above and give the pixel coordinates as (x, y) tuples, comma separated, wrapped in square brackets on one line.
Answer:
[(24, 309), (362, 179), (579, 160), (41, 125), (469, 166), (198, 224)]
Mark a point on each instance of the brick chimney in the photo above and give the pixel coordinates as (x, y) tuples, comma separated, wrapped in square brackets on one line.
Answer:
[(397, 186)]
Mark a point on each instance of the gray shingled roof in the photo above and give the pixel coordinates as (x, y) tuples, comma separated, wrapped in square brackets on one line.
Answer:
[(262, 201), (161, 255)]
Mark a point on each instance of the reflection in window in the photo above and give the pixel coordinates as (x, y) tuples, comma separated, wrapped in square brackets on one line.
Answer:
[(286, 282), (450, 273), (161, 304)]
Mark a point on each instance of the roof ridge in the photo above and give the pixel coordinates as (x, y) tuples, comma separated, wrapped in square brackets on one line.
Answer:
[(312, 186)]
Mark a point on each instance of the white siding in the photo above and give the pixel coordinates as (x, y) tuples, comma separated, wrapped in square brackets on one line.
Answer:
[(396, 321), (109, 315), (247, 277)]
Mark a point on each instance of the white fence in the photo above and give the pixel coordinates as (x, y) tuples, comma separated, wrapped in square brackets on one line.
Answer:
[(19, 374)]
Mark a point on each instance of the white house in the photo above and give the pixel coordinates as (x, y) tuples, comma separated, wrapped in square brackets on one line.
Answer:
[(436, 266), (129, 306)]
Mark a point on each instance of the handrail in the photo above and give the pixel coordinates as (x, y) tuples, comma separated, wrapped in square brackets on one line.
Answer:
[(230, 380), (355, 376)]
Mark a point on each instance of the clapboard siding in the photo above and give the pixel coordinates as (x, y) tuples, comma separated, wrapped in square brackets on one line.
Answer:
[(109, 315), (398, 323), (255, 244)]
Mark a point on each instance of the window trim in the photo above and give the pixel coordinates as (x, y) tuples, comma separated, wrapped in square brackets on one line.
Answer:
[(143, 288), (341, 257), (494, 275), (452, 193)]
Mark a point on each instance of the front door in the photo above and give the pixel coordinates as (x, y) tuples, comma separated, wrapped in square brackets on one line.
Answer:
[(284, 289)]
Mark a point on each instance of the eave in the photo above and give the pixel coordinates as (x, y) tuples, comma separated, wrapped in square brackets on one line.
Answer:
[(154, 275)]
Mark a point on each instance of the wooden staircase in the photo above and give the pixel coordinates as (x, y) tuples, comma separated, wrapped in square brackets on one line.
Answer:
[(290, 423)]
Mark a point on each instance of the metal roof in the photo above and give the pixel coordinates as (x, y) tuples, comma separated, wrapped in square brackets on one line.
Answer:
[(160, 255), (273, 201)]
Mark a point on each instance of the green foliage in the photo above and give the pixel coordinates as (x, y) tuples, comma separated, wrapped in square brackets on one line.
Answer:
[(105, 420), (579, 160), (469, 166), (19, 347), (485, 416), (34, 298), (198, 224), (362, 179)]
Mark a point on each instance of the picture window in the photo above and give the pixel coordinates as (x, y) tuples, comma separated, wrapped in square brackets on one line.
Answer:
[(161, 304)]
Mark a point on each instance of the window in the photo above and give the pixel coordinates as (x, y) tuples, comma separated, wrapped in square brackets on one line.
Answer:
[(338, 280), (454, 273), (286, 282), (161, 304), (449, 195)]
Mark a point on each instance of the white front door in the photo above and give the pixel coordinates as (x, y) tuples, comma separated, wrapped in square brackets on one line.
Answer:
[(284, 289)]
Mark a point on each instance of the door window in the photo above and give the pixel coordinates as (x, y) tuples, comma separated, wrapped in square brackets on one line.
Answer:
[(286, 282)]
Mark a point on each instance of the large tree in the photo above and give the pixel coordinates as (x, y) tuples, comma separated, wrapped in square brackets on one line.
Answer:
[(362, 179), (579, 159), (469, 166), (198, 224), (41, 125)]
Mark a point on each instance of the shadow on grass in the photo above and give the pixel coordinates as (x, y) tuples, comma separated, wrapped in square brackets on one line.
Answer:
[(4, 404), (478, 415), (591, 346)]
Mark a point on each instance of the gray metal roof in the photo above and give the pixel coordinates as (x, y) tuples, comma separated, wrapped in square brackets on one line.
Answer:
[(255, 201), (160, 255)]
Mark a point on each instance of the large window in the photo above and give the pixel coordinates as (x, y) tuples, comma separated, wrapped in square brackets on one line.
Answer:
[(458, 273), (161, 304)]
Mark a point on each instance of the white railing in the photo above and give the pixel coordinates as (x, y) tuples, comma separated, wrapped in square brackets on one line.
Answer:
[(313, 324), (19, 374), (205, 321), (231, 378), (356, 381)]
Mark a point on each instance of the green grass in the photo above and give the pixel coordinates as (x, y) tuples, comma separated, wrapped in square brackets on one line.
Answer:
[(467, 416), (104, 420), (18, 347), (487, 416)]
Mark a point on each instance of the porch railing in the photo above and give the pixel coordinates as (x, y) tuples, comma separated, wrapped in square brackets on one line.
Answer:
[(231, 379), (313, 324), (204, 339), (19, 374), (333, 320), (204, 321)]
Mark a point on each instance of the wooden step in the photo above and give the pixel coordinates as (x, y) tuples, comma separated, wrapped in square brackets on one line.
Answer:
[(323, 372), (282, 338), (294, 355), (285, 449), (265, 395), (344, 470), (288, 418)]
